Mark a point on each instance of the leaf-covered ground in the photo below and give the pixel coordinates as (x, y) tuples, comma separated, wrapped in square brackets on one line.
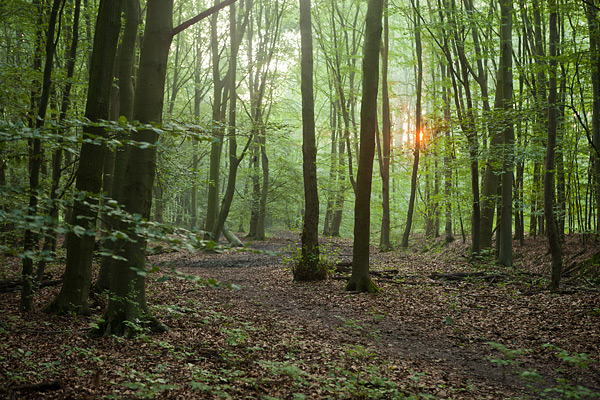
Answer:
[(443, 327)]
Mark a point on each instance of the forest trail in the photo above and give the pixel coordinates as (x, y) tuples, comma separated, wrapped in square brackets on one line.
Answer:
[(466, 337), (434, 333)]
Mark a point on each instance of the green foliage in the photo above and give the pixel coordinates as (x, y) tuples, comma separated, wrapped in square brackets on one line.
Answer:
[(565, 387), (364, 284), (309, 267)]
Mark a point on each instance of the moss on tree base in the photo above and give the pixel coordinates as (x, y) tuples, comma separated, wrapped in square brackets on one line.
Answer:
[(309, 272), (364, 284), (126, 328)]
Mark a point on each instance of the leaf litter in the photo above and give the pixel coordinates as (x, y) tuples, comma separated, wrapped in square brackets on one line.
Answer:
[(439, 329)]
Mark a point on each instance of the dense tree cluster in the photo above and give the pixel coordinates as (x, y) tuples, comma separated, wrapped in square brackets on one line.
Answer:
[(124, 121)]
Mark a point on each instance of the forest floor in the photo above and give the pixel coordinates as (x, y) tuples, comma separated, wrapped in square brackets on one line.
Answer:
[(443, 327)]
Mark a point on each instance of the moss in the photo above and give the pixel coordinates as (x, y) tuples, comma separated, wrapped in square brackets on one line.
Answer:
[(310, 271), (364, 284)]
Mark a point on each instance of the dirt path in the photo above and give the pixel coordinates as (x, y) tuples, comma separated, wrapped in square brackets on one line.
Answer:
[(434, 335), (421, 337)]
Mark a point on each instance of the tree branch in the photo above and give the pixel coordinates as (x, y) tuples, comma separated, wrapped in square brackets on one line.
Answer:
[(201, 16)]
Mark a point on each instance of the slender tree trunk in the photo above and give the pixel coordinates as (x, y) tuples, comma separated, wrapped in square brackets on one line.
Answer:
[(594, 29), (551, 227), (309, 266), (234, 160), (264, 188), (217, 144), (360, 279), (57, 157), (415, 170), (505, 254), (35, 163), (384, 240), (447, 162)]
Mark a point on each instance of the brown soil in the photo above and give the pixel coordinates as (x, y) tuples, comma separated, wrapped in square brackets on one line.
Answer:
[(274, 338)]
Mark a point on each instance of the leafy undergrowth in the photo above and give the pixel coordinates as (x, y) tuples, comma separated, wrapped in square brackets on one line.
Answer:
[(443, 327)]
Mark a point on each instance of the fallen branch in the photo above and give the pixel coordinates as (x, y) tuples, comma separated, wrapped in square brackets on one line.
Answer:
[(462, 276)]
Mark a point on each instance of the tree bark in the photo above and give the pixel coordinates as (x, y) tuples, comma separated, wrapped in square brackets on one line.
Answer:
[(127, 305), (234, 160), (415, 170), (125, 108), (128, 300), (384, 240), (505, 254), (551, 226), (216, 148), (35, 163), (594, 34), (360, 279), (309, 266), (74, 293)]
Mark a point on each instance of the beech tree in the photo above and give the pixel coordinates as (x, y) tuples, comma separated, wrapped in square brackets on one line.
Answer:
[(127, 304), (309, 266), (75, 290), (418, 128), (360, 279)]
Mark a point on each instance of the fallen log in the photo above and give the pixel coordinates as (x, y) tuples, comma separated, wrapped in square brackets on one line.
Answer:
[(231, 238)]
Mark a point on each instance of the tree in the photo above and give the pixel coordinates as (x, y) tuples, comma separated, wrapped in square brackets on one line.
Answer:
[(236, 34), (127, 304), (309, 266), (418, 129), (35, 162), (551, 225), (74, 293), (505, 71), (218, 117), (594, 40), (384, 159), (360, 279), (125, 108)]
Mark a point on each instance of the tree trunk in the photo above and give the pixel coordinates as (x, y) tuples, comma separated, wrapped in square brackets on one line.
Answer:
[(415, 170), (78, 272), (384, 240), (127, 304), (594, 29), (447, 162), (234, 160), (309, 266), (264, 188), (360, 279), (57, 157), (551, 227), (126, 61), (128, 300), (35, 163), (505, 248), (216, 147)]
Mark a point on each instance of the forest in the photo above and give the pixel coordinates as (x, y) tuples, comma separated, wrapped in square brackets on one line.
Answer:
[(275, 199)]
